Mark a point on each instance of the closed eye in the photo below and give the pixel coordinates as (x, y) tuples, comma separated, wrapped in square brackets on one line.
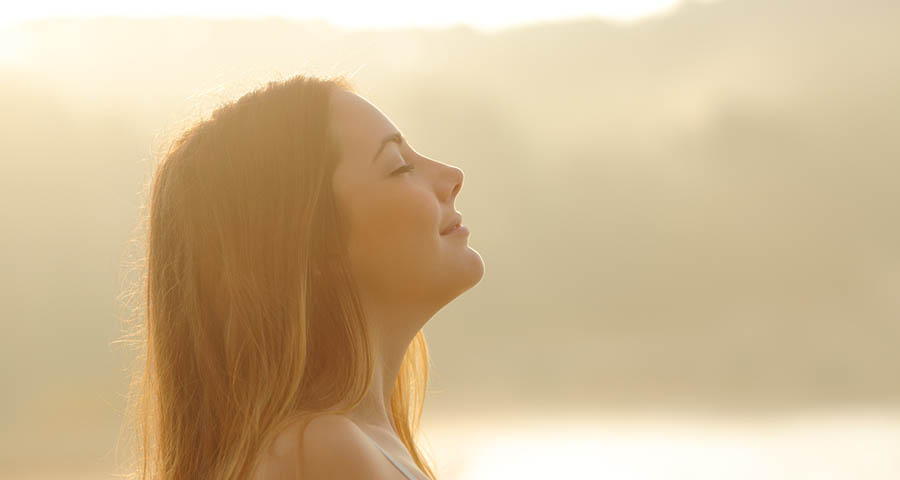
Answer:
[(406, 168)]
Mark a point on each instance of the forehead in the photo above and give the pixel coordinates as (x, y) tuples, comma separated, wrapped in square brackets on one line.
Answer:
[(358, 125)]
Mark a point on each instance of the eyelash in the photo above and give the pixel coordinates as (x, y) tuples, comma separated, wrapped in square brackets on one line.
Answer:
[(403, 169)]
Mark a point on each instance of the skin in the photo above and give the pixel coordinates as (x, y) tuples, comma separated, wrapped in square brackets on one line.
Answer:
[(406, 270)]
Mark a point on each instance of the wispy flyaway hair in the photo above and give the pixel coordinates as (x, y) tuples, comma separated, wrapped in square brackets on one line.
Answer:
[(249, 318)]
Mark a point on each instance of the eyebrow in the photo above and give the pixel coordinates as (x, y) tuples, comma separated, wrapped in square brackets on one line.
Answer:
[(394, 137)]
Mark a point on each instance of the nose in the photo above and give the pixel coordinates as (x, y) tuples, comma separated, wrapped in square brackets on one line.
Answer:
[(454, 183)]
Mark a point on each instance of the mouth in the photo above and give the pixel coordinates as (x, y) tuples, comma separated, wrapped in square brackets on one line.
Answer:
[(452, 229), (455, 224)]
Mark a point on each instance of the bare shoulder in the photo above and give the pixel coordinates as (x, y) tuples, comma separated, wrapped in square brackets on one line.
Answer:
[(328, 446)]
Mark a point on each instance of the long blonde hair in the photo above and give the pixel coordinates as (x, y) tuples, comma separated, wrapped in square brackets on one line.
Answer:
[(248, 317)]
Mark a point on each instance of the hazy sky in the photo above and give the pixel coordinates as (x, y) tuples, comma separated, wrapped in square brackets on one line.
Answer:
[(350, 13)]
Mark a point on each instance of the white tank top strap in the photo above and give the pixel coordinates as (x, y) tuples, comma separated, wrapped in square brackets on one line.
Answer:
[(395, 462)]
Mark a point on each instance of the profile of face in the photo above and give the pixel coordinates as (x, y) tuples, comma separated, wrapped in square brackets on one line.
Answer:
[(396, 203)]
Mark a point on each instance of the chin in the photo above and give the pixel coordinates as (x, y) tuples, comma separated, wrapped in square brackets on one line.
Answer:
[(471, 271), (463, 274)]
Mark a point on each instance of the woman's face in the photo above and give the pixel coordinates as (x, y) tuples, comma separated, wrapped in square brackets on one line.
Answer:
[(396, 203)]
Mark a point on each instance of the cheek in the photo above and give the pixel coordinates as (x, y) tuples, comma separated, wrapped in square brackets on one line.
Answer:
[(396, 230)]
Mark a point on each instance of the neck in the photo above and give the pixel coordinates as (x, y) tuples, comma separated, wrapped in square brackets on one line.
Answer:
[(391, 335)]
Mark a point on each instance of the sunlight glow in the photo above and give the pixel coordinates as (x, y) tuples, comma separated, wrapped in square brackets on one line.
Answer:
[(351, 14), (836, 445)]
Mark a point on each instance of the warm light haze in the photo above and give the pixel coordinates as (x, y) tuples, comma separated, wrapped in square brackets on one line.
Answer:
[(687, 210), (352, 14)]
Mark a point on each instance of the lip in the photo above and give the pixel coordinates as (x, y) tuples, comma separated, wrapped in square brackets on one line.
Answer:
[(457, 219), (461, 230)]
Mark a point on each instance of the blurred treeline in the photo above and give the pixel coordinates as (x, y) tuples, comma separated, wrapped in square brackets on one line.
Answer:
[(697, 210)]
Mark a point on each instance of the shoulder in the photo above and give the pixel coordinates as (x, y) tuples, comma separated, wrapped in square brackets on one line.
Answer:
[(327, 446)]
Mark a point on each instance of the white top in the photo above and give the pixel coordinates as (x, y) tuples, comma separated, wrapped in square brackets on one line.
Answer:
[(395, 462)]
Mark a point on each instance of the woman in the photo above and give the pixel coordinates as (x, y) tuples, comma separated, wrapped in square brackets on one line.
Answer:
[(297, 244)]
